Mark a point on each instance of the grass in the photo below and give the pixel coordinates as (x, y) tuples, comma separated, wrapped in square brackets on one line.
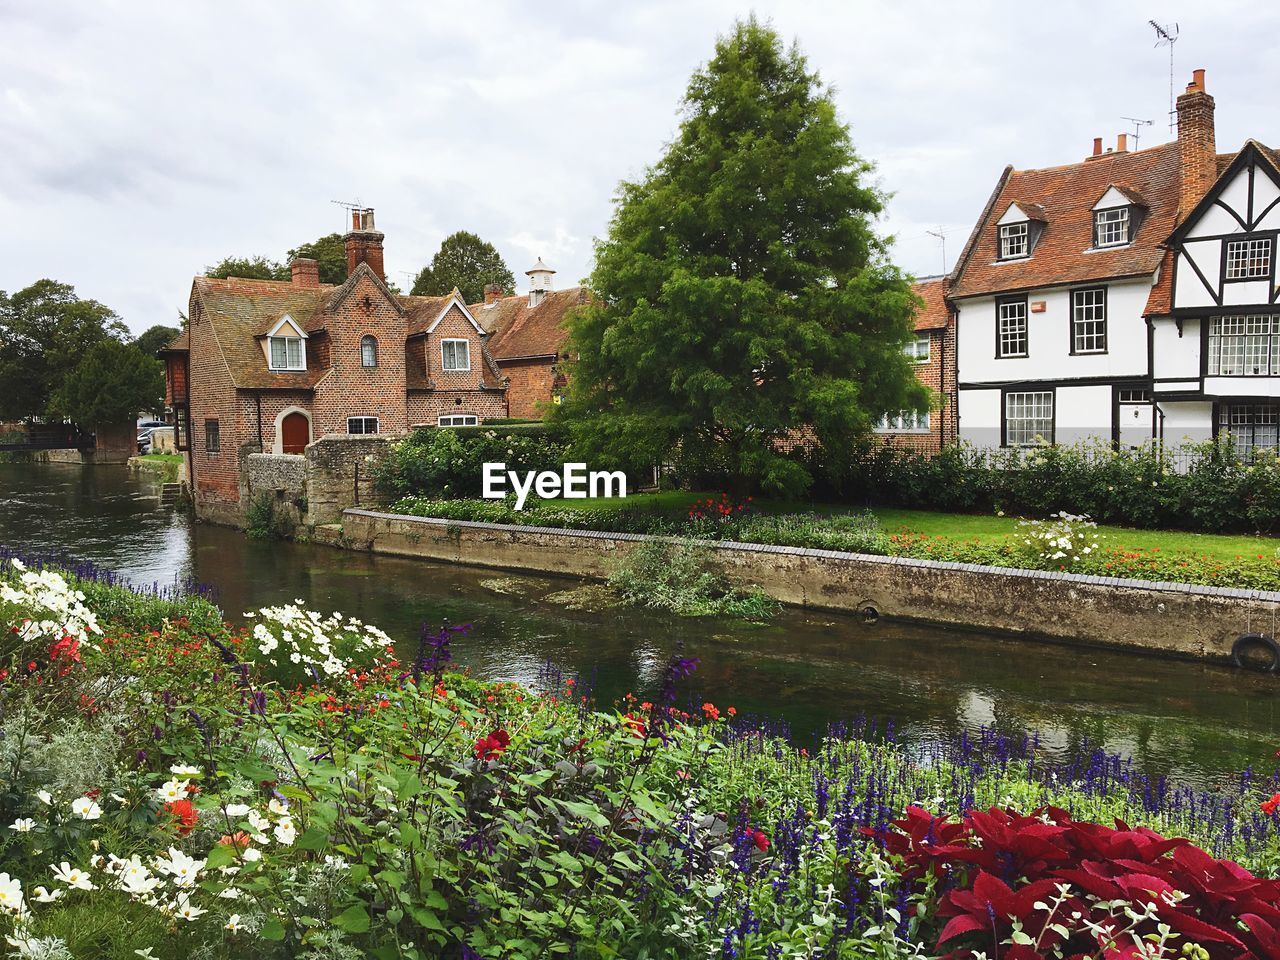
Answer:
[(162, 457), (961, 526)]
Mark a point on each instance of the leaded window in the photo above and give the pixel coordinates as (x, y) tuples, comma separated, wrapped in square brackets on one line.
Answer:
[(457, 420), (1252, 426), (1249, 259), (1011, 331), (1028, 418), (362, 424), (1244, 346), (904, 421), (918, 349), (1089, 320), (1014, 240), (455, 355), (368, 351), (287, 353)]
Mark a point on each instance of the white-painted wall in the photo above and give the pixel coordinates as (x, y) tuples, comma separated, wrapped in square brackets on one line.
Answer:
[(980, 417), (1185, 421), (1082, 413), (1175, 356)]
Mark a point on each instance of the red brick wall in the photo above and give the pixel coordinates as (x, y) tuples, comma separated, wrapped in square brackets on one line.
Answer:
[(531, 389), (454, 326), (424, 408), (939, 374), (215, 477)]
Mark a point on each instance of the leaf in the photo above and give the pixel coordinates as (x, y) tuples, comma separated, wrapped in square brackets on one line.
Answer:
[(273, 929), (315, 838), (426, 918), (354, 919), (220, 856)]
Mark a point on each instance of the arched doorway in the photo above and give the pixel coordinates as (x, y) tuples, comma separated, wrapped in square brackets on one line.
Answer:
[(295, 432)]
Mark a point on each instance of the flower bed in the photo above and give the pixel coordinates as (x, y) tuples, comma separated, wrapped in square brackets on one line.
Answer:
[(173, 793)]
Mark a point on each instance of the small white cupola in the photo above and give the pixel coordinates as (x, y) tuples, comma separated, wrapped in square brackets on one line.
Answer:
[(540, 283)]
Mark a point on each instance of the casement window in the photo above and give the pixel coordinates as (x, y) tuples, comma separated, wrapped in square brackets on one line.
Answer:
[(1111, 227), (1011, 328), (368, 351), (905, 421), (1252, 426), (455, 355), (212, 437), (287, 353), (1028, 418), (1249, 259), (918, 349), (1244, 347), (1134, 395), (362, 424), (1089, 320), (457, 419), (1015, 240)]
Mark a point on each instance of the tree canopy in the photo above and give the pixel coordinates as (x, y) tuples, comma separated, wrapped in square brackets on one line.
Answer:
[(329, 251), (468, 263), (112, 383), (44, 331), (154, 339), (743, 293), (248, 268)]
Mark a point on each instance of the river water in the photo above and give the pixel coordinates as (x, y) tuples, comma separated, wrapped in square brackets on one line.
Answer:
[(1193, 721)]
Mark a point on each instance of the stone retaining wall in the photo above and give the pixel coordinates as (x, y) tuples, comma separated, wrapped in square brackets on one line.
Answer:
[(1174, 619)]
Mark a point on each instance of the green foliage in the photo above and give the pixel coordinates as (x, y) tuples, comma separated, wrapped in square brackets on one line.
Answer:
[(468, 263), (266, 520), (743, 293), (247, 268), (45, 331), (329, 252), (679, 578), (154, 339), (110, 385)]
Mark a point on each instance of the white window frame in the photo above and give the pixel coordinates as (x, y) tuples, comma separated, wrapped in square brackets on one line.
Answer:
[(1111, 227), (1249, 259), (1015, 240), (363, 420), (1089, 320), (466, 349), (1018, 328), (295, 363), (919, 348), (368, 340), (1032, 422), (447, 420), (1244, 346), (904, 421)]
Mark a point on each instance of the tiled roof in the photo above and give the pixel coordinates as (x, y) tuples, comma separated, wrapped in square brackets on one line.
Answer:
[(180, 343), (422, 311), (517, 330), (1160, 299), (1064, 252), (936, 313)]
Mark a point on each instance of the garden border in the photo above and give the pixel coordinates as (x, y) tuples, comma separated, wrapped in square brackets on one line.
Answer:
[(1178, 619)]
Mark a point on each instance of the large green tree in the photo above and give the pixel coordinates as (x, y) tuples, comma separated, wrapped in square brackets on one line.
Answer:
[(112, 383), (247, 268), (330, 252), (743, 292), (154, 339), (44, 331), (466, 262)]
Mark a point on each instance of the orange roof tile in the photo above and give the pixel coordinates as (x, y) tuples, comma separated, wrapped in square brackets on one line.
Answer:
[(935, 313), (518, 330)]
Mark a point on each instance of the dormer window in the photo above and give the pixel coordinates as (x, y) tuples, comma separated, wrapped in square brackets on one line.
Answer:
[(287, 353), (1111, 227), (1015, 240)]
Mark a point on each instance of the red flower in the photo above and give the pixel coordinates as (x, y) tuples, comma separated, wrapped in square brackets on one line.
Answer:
[(1269, 806), (760, 840), (635, 725), (185, 813), (491, 747), (712, 712)]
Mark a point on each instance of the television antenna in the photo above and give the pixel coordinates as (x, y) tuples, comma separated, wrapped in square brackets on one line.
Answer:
[(1167, 36), (942, 239), (1137, 126), (348, 206)]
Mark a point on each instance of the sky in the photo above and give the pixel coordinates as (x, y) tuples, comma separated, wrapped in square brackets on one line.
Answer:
[(141, 142)]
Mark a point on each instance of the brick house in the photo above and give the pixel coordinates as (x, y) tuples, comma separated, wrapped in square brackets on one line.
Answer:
[(268, 366)]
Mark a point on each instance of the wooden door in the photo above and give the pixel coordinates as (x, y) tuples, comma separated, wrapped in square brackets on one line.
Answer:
[(295, 432)]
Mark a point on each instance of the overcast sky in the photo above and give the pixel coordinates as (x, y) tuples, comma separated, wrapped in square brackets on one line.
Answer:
[(140, 142)]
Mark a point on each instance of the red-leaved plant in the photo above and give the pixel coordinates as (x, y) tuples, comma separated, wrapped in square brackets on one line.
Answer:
[(1033, 887)]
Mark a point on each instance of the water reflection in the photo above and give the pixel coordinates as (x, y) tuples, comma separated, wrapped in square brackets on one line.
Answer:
[(1192, 720)]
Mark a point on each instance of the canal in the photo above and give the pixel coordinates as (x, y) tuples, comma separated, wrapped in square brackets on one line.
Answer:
[(1194, 721)]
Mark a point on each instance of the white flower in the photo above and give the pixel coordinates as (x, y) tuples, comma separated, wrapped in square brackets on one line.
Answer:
[(10, 894), (184, 770), (45, 797), (285, 832), (233, 923), (185, 909), (172, 790), (85, 808), (253, 855), (145, 954), (279, 807), (22, 825), (184, 869), (237, 810), (73, 877), (44, 895), (258, 821), (139, 884)]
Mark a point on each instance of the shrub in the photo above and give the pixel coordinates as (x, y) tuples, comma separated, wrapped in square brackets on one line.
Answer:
[(677, 577)]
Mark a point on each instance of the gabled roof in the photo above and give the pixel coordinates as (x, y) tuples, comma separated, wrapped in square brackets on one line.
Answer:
[(1064, 252), (518, 330), (935, 313), (1251, 152)]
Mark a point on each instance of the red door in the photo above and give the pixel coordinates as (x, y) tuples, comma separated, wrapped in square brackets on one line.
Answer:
[(295, 432)]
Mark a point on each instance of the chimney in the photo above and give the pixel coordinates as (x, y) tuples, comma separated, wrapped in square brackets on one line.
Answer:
[(492, 293), (364, 243), (1197, 151), (1097, 146), (1122, 143), (306, 272)]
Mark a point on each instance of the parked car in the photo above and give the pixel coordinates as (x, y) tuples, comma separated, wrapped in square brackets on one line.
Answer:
[(144, 433)]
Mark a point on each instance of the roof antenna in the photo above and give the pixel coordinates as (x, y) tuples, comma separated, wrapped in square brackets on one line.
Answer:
[(348, 206), (1167, 35), (1137, 126), (942, 239)]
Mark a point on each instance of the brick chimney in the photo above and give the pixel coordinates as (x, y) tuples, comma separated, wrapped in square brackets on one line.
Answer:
[(1197, 152), (306, 272), (364, 243), (1097, 148), (1122, 143), (492, 293)]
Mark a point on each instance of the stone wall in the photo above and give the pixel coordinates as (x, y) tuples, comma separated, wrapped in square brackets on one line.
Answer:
[(339, 474), (1173, 619)]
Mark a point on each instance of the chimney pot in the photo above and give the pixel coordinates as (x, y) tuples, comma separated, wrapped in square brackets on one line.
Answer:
[(364, 244), (355, 219), (1197, 79), (1097, 146), (306, 272), (1122, 143), (1197, 148), (492, 292)]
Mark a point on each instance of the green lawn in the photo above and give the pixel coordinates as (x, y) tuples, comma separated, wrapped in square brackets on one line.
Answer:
[(964, 526), (162, 457)]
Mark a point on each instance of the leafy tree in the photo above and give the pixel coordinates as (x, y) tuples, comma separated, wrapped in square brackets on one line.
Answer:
[(247, 268), (466, 262), (330, 252), (743, 293), (154, 339), (111, 384), (44, 331)]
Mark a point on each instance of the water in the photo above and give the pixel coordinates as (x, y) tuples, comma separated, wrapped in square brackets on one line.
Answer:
[(1193, 721)]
